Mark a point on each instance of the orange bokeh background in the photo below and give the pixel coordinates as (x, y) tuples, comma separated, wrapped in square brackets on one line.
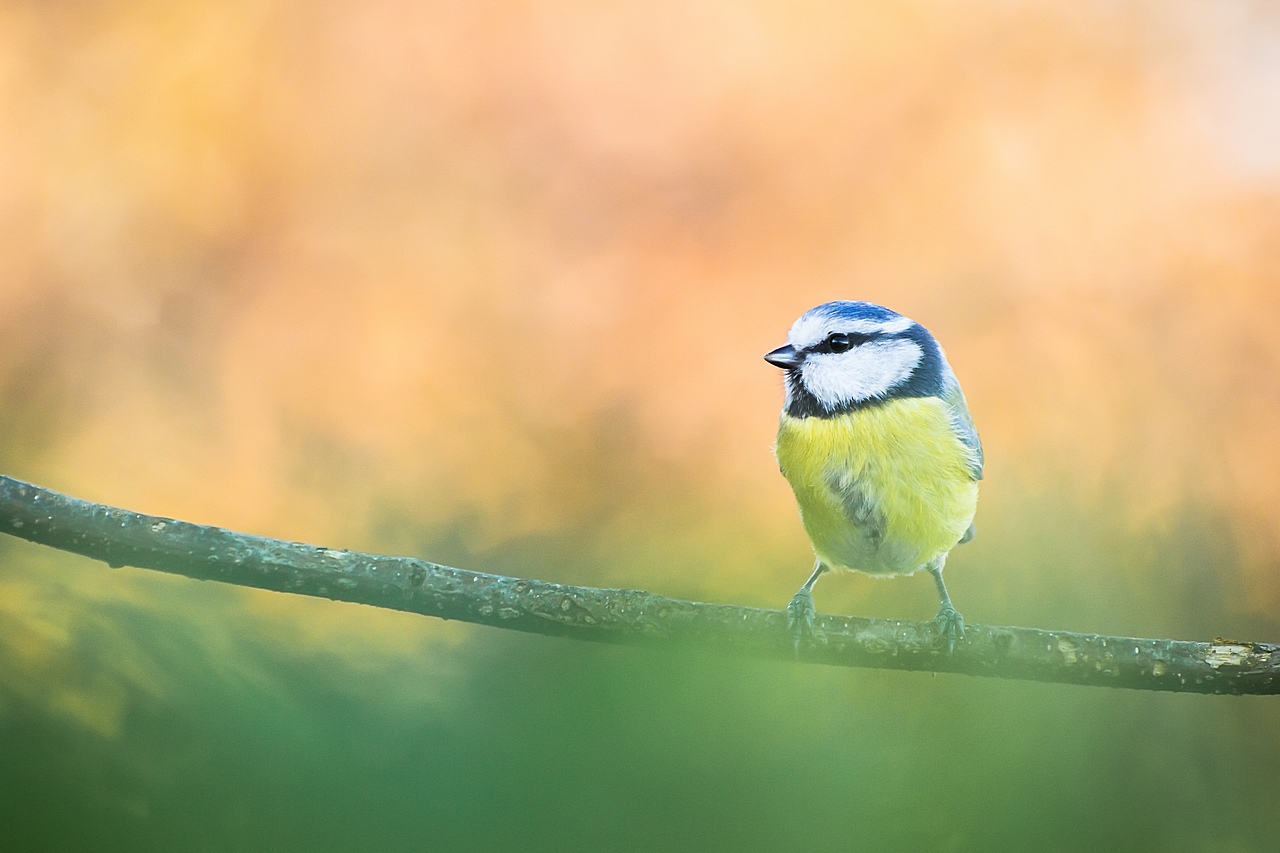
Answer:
[(450, 279)]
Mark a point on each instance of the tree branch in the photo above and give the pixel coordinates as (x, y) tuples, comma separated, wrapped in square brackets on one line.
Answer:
[(119, 537)]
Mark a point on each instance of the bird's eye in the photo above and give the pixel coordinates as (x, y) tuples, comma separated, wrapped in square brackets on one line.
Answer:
[(839, 342)]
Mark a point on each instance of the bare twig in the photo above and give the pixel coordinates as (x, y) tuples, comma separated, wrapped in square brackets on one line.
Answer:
[(119, 537)]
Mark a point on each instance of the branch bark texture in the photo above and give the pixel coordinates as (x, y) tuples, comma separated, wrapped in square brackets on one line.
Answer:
[(122, 538)]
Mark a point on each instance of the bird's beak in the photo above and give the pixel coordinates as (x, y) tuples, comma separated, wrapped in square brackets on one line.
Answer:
[(785, 357)]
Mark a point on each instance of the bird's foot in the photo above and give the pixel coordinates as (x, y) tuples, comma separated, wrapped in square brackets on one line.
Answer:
[(950, 627), (800, 614)]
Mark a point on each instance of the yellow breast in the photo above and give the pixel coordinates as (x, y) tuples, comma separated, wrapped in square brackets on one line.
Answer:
[(884, 489)]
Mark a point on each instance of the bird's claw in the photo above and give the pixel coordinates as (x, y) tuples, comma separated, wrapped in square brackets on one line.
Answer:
[(950, 627), (800, 615)]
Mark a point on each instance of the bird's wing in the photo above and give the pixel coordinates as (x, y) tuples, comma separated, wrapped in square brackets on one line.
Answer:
[(962, 422)]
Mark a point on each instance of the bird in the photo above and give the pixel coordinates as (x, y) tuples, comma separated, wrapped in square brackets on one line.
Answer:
[(877, 443)]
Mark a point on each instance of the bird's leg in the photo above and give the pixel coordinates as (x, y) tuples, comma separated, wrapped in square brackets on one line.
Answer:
[(800, 611), (950, 622)]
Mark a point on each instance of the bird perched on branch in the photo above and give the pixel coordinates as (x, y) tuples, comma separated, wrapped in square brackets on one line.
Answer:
[(878, 445)]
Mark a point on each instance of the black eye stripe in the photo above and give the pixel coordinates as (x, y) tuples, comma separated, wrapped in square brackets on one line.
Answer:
[(838, 342)]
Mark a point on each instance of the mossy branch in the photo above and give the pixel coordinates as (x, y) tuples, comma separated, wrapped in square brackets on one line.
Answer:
[(122, 538)]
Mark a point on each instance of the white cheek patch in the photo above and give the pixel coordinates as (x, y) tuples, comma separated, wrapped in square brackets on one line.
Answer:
[(812, 328), (863, 373)]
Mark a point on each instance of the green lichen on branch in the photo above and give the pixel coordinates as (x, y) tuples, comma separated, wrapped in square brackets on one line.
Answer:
[(122, 538)]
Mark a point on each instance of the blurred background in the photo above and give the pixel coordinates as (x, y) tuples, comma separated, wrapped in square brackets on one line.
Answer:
[(490, 283)]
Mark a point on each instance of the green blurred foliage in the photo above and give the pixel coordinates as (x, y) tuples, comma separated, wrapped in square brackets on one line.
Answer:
[(528, 743)]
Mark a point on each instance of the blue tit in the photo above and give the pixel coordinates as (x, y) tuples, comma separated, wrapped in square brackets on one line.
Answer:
[(877, 443)]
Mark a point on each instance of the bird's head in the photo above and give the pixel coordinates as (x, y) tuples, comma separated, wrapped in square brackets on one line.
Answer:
[(844, 355)]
